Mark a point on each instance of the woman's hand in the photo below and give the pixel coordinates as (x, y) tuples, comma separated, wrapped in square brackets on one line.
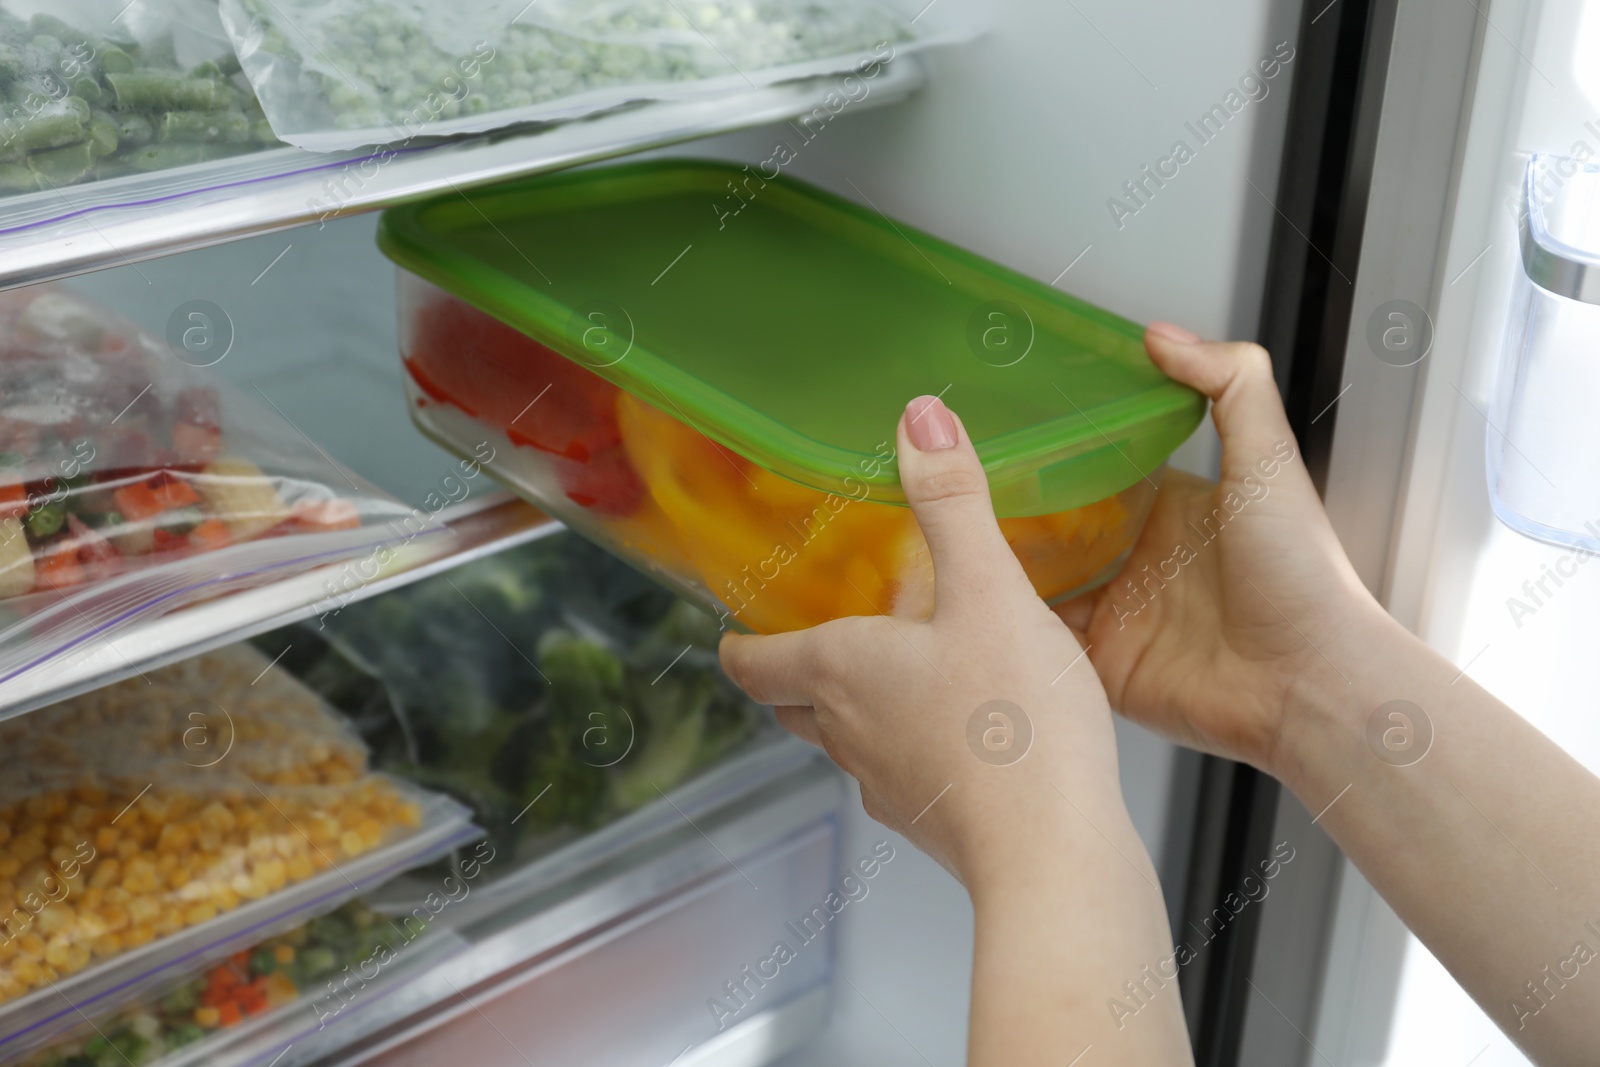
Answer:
[(984, 736), (1233, 587), (895, 701)]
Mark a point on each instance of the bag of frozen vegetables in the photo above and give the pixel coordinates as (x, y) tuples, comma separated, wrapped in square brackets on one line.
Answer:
[(272, 978), (336, 74), (174, 818), (550, 687), (133, 482), (99, 88)]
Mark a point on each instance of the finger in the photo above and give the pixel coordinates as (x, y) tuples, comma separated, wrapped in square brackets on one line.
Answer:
[(800, 721), (1235, 375), (949, 494), (776, 669)]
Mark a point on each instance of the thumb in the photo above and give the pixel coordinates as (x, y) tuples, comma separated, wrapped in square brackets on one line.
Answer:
[(949, 494), (1236, 376)]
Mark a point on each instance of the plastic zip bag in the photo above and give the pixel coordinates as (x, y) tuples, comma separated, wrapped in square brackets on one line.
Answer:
[(94, 89), (340, 74), (610, 692), (278, 990), (132, 483), (165, 822)]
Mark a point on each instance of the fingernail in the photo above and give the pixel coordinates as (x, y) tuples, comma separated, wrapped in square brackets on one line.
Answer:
[(1174, 333), (929, 425)]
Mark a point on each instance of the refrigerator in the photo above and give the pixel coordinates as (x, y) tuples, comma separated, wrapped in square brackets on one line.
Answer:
[(1291, 173)]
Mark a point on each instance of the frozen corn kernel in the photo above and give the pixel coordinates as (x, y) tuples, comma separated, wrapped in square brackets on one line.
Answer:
[(216, 816), (139, 876), (280, 989), (107, 873), (207, 1017), (273, 873)]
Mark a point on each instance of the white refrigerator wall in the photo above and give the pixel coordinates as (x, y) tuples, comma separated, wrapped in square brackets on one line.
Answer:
[(1014, 150)]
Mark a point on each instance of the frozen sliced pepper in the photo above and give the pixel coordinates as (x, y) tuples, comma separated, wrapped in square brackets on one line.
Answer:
[(210, 535), (175, 493), (138, 501)]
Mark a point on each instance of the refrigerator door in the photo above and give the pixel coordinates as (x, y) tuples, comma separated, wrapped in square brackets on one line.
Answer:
[(1410, 370)]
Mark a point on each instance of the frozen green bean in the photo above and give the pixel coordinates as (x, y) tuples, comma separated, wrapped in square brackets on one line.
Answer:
[(159, 91), (104, 134), (114, 60), (205, 126), (64, 166), (17, 178), (11, 64), (51, 126), (133, 130)]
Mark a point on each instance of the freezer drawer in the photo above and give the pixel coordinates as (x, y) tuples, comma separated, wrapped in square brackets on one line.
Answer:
[(622, 963), (638, 992)]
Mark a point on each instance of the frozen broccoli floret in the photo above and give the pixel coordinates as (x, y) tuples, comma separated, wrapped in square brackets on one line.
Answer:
[(584, 676)]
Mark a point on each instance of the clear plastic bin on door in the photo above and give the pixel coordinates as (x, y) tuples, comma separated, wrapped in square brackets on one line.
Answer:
[(1543, 447)]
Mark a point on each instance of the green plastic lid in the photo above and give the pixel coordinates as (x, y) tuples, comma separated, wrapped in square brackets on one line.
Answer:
[(793, 326)]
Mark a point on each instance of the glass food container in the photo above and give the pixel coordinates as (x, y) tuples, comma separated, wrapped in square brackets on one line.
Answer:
[(1543, 466), (701, 367)]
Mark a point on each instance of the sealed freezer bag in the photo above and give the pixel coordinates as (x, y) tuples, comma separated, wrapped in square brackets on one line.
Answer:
[(133, 482), (171, 819), (95, 89), (336, 75), (550, 687), (274, 983)]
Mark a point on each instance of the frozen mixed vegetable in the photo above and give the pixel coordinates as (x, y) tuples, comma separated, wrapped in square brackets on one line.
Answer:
[(392, 69), (84, 102), (276, 972), (770, 553), (116, 456), (549, 675), (158, 803)]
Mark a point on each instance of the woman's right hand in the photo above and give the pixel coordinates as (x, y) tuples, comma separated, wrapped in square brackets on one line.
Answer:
[(1235, 590)]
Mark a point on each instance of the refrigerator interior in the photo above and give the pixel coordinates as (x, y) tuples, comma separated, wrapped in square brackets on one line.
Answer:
[(1446, 565), (1032, 145)]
